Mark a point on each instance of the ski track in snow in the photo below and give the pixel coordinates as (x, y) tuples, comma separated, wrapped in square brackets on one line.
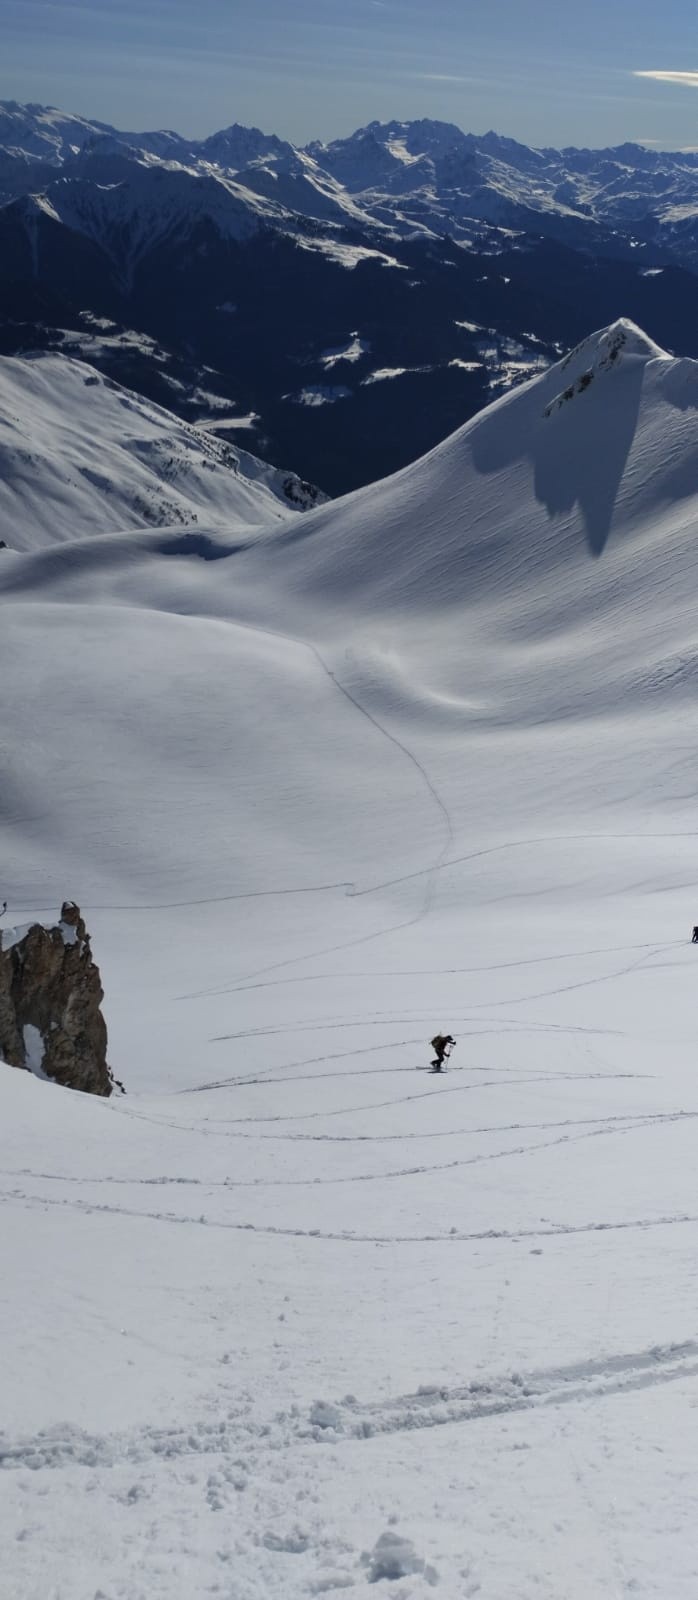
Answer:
[(438, 863), (621, 1124), (259, 1079), (448, 972), (349, 1421), (430, 872), (135, 906), (342, 1111), (449, 1133), (506, 1026), (453, 1236), (244, 982), (371, 1020)]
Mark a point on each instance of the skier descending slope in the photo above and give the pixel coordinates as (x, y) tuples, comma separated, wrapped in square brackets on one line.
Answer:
[(442, 1045)]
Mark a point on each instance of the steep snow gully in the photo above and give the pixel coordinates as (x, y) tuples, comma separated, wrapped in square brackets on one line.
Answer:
[(292, 1318)]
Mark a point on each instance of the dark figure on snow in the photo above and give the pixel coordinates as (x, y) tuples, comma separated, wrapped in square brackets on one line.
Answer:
[(4, 908), (442, 1045), (694, 936)]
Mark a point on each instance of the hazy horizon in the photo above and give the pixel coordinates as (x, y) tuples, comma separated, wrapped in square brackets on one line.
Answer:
[(553, 76)]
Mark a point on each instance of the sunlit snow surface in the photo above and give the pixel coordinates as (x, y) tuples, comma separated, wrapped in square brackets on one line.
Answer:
[(80, 455), (295, 1317)]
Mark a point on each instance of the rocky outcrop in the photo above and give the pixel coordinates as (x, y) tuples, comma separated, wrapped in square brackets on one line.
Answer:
[(50, 995)]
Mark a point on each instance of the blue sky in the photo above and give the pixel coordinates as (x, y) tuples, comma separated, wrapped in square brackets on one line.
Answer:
[(544, 71)]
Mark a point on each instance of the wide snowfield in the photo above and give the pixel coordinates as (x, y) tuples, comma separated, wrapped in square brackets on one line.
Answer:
[(295, 1316)]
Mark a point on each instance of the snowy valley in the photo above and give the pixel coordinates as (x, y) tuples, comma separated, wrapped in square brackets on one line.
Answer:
[(295, 1316)]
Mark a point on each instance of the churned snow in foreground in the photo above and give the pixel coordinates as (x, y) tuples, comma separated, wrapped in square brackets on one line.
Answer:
[(295, 1317)]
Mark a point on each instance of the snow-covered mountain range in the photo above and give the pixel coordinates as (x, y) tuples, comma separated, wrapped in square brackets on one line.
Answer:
[(424, 177), (347, 304), (283, 1324)]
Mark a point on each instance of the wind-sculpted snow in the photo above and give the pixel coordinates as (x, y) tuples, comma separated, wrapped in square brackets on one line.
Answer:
[(295, 1315)]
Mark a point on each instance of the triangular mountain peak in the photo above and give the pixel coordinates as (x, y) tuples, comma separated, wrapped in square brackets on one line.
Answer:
[(609, 347)]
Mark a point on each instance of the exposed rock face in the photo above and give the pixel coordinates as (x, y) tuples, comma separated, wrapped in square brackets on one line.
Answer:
[(50, 994)]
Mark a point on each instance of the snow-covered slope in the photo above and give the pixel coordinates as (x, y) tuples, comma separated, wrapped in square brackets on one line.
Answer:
[(128, 205), (601, 444), (292, 1317), (81, 455)]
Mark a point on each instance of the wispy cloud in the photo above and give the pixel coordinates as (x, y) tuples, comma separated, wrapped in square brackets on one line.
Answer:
[(445, 77), (683, 80), (662, 144)]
